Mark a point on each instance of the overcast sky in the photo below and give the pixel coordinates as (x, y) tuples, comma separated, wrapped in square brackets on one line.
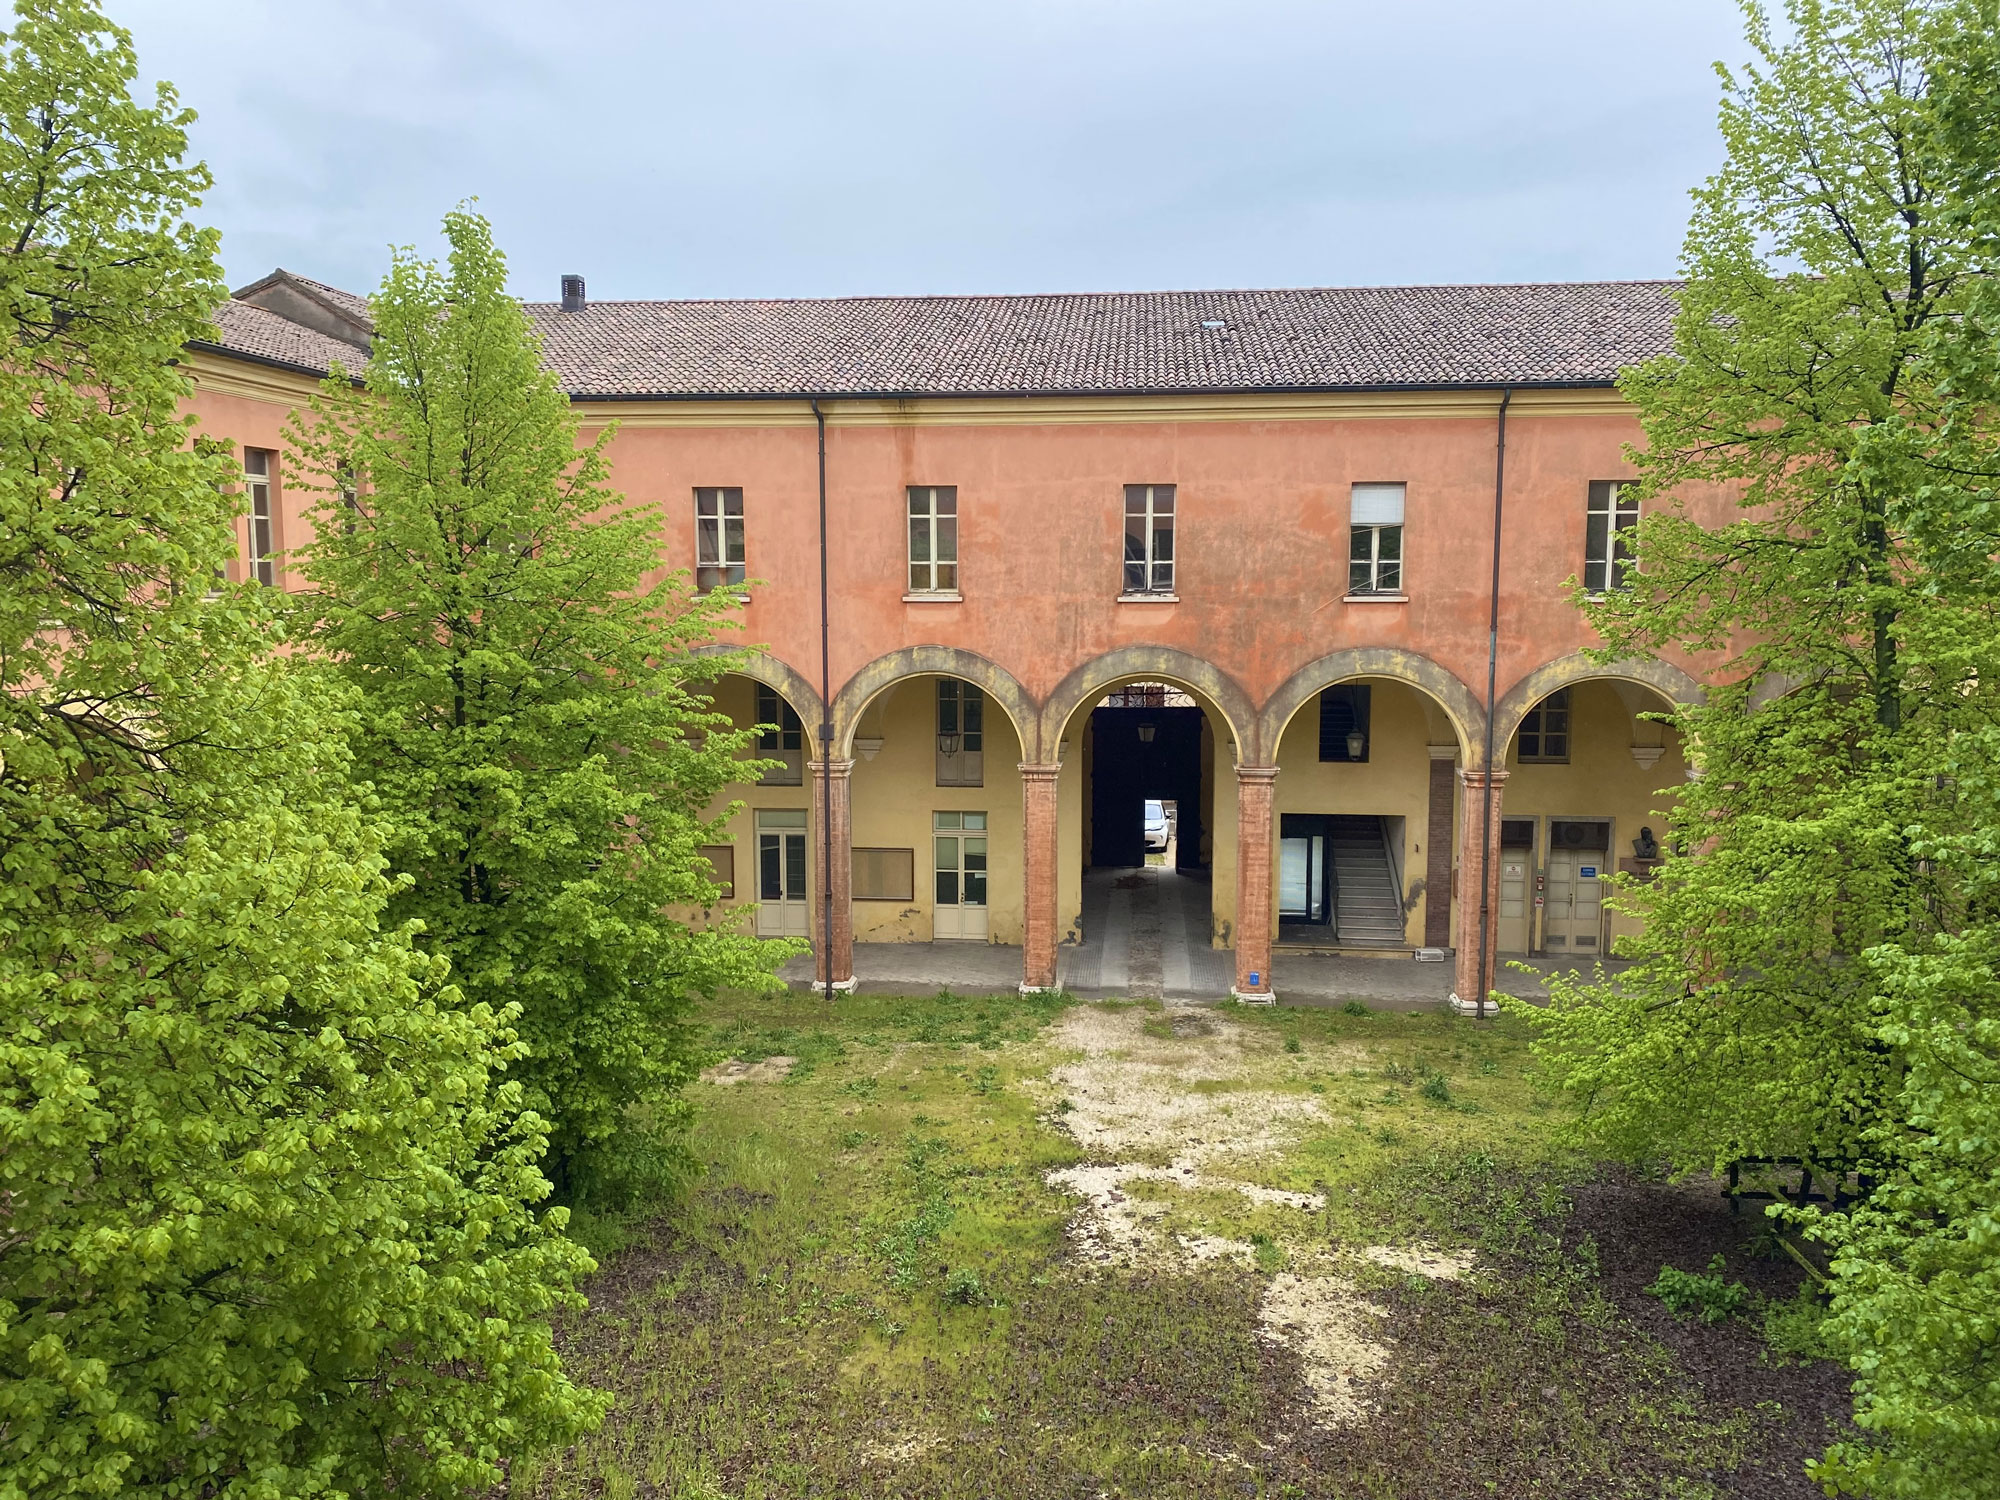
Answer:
[(779, 149)]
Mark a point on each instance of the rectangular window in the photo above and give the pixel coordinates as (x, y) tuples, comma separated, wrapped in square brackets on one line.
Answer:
[(718, 538), (1607, 534), (933, 539), (1375, 554), (780, 737), (1149, 539), (259, 469), (961, 733), (885, 875), (1545, 731), (722, 868), (1343, 722)]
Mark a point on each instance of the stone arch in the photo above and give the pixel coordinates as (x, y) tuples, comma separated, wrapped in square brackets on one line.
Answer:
[(1458, 701), (1664, 678), (762, 666), (999, 685), (1150, 664)]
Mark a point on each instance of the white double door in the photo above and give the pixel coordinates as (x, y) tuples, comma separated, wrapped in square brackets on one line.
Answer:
[(958, 842), (781, 872), (1573, 916)]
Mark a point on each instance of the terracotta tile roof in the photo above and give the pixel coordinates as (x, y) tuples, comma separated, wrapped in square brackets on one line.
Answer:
[(1577, 333), (264, 335)]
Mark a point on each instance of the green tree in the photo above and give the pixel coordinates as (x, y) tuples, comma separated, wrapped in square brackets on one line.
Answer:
[(1810, 980), (530, 713), (264, 1223)]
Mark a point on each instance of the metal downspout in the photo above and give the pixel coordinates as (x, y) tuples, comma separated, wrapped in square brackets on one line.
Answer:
[(1492, 683), (825, 733)]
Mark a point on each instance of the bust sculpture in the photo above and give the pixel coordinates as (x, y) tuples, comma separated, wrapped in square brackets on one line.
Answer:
[(1645, 846)]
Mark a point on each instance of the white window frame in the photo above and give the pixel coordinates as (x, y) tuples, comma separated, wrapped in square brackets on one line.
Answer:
[(260, 466), (933, 516), (1375, 514), (1155, 503), (718, 537), (1608, 560)]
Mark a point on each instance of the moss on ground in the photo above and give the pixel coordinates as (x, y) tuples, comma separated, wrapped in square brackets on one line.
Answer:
[(870, 1290)]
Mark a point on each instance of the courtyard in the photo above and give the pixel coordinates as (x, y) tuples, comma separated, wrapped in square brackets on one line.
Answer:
[(944, 1245)]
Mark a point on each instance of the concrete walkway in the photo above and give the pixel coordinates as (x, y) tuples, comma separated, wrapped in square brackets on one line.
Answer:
[(1146, 937)]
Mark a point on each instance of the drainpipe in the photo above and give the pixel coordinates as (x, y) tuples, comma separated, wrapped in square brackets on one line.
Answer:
[(826, 734), (1492, 680)]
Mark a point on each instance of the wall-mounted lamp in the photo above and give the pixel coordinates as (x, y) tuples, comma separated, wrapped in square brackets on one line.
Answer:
[(1356, 743), (1146, 733), (947, 744)]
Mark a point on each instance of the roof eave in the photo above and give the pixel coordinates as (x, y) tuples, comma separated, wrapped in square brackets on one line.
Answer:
[(1133, 392)]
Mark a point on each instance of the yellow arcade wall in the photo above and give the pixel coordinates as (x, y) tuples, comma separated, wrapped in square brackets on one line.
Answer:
[(1602, 779)]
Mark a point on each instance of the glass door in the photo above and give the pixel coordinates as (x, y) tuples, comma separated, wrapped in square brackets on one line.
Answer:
[(781, 872), (959, 844)]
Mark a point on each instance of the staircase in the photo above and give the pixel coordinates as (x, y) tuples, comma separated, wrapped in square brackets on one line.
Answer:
[(1368, 909)]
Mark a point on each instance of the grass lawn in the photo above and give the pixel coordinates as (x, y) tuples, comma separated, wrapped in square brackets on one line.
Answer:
[(1008, 1247)]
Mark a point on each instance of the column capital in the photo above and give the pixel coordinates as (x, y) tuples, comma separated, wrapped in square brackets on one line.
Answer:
[(1034, 770), (1478, 778), (838, 769), (1444, 752), (1256, 773)]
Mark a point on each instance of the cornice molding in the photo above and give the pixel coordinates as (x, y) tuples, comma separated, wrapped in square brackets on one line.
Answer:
[(250, 380), (1004, 411)]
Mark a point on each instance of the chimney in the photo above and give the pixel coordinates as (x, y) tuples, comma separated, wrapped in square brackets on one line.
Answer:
[(572, 298)]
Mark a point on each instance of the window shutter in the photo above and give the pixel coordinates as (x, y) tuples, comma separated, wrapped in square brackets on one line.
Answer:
[(1378, 505)]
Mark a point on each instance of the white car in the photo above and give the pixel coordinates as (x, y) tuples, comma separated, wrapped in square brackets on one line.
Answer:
[(1156, 826)]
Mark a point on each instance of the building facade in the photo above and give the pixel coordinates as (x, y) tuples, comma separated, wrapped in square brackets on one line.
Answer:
[(1230, 553)]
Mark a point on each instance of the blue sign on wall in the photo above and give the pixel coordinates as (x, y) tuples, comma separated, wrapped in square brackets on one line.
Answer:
[(1587, 872)]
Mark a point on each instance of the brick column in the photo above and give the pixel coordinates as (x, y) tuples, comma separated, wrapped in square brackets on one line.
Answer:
[(1475, 967), (1438, 846), (839, 949), (1254, 791), (1039, 861)]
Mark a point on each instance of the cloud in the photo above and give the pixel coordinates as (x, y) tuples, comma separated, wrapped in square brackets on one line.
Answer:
[(790, 149)]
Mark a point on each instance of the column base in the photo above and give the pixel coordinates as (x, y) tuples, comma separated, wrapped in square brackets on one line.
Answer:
[(840, 986), (1041, 989), (1253, 997), (1479, 1010)]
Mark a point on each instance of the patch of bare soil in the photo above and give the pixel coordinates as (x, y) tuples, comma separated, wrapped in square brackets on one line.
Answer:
[(1136, 1093), (1640, 1226), (770, 1070)]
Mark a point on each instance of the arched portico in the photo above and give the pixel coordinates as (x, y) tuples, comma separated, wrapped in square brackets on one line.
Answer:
[(1094, 678), (1578, 766), (1362, 850), (1458, 701), (773, 672), (998, 684), (910, 799), (1664, 678)]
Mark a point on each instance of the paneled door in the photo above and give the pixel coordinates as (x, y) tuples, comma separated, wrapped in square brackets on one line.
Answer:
[(1573, 921), (781, 872), (959, 842)]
